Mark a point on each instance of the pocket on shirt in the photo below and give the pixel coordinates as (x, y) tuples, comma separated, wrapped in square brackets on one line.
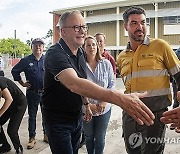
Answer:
[(148, 63), (32, 70)]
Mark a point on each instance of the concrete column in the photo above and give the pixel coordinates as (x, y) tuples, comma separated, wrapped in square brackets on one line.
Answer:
[(117, 28), (156, 20), (85, 14)]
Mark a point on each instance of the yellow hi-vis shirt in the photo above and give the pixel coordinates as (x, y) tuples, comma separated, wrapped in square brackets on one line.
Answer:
[(148, 68)]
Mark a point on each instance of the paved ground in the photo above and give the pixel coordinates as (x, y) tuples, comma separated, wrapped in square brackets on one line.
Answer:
[(114, 141)]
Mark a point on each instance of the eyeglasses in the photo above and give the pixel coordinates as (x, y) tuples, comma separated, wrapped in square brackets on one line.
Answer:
[(78, 28)]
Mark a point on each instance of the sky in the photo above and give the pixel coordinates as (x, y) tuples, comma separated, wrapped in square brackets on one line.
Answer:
[(31, 18)]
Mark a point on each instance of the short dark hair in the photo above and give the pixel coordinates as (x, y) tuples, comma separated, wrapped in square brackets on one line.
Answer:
[(132, 10)]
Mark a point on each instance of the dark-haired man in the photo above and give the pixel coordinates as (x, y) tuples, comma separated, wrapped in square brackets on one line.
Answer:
[(145, 65)]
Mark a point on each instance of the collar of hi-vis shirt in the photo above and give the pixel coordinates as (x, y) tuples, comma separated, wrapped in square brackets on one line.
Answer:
[(145, 42)]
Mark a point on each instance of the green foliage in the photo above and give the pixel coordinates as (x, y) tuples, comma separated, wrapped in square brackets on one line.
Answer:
[(14, 47), (48, 37), (49, 34)]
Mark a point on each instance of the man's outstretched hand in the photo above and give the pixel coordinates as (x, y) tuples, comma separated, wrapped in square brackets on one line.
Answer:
[(137, 109), (172, 116)]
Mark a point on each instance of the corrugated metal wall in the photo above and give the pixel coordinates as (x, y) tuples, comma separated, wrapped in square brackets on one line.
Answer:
[(101, 12), (123, 39), (172, 39), (108, 28), (166, 5)]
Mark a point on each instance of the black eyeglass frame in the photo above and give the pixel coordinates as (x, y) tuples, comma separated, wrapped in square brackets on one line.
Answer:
[(77, 28)]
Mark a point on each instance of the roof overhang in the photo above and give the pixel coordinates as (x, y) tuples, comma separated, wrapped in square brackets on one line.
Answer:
[(149, 14), (108, 4)]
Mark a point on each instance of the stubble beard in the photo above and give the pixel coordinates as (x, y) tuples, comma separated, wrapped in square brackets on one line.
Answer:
[(138, 38)]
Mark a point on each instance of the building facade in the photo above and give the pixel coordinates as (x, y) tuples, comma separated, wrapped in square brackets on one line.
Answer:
[(163, 19)]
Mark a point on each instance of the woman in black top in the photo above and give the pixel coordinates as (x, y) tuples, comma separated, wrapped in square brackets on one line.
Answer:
[(13, 109)]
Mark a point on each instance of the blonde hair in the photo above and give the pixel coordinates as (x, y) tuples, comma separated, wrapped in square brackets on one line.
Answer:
[(97, 34), (98, 54)]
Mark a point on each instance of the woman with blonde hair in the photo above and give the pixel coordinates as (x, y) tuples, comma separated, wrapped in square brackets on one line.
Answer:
[(99, 70)]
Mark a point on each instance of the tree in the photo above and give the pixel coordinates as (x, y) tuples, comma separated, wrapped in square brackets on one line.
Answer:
[(28, 42), (14, 47), (49, 36)]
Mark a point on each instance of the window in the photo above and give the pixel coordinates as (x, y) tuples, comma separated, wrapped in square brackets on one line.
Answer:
[(172, 20), (171, 25), (148, 21)]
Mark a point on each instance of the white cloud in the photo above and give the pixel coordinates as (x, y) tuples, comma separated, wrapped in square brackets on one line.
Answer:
[(4, 4), (31, 18)]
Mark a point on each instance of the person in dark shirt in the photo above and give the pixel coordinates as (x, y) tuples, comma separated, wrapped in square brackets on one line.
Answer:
[(33, 67), (65, 86), (13, 109)]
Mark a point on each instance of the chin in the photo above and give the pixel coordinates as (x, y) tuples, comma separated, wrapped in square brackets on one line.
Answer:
[(80, 42)]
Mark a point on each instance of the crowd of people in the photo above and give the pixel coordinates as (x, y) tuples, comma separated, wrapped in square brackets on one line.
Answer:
[(74, 86)]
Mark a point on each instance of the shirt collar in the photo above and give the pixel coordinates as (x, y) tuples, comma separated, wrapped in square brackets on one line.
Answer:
[(67, 50), (104, 53), (33, 57), (145, 42)]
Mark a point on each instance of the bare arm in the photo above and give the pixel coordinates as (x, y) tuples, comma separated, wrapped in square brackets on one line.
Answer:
[(8, 100), (130, 103)]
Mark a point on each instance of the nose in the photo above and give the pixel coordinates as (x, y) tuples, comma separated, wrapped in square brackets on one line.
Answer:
[(139, 26), (92, 46)]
